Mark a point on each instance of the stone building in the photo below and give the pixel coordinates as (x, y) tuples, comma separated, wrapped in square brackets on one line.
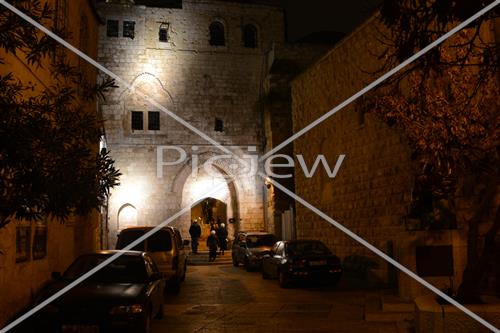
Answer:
[(30, 252), (372, 192), (208, 63)]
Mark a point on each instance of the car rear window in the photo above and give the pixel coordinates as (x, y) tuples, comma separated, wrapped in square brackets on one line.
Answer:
[(159, 241), (124, 269), (128, 236), (260, 240), (307, 248)]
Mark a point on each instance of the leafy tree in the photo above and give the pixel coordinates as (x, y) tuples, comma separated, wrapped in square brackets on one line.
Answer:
[(447, 106), (49, 163)]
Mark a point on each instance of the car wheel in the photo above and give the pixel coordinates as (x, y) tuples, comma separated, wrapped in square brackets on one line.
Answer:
[(283, 280), (247, 265), (235, 262), (159, 315), (147, 322), (183, 277)]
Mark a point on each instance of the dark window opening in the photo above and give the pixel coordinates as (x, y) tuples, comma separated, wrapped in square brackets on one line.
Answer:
[(137, 121), (163, 32), (219, 125), (129, 29), (154, 121), (250, 36), (112, 28), (217, 35)]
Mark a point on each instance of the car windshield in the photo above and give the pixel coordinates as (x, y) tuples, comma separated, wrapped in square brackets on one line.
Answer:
[(159, 241), (125, 269), (260, 240), (307, 248)]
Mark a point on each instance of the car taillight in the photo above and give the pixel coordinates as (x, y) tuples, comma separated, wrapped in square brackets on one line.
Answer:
[(299, 263)]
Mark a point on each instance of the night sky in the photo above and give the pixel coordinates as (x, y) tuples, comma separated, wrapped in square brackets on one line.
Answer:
[(325, 15)]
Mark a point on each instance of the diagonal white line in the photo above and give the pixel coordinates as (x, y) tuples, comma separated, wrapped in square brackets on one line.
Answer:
[(382, 254), (381, 79), (93, 62), (94, 270)]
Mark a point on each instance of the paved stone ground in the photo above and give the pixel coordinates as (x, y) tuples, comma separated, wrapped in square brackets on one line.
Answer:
[(223, 298)]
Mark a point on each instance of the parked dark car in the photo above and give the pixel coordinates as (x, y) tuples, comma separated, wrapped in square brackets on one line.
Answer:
[(301, 260), (165, 246), (249, 247), (121, 297)]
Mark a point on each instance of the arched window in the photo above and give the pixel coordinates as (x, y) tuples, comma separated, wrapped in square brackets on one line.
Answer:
[(250, 36), (217, 35)]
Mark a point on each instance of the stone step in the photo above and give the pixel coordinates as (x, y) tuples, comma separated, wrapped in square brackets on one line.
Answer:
[(201, 259), (374, 311), (391, 303)]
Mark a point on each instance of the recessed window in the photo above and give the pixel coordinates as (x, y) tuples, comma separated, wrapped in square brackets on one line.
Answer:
[(217, 35), (137, 121), (112, 28), (163, 32), (250, 36), (154, 120), (129, 29), (219, 125)]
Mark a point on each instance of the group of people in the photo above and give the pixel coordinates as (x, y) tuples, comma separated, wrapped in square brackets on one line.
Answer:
[(215, 241)]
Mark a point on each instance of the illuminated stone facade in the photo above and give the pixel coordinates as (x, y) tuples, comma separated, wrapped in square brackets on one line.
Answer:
[(211, 79)]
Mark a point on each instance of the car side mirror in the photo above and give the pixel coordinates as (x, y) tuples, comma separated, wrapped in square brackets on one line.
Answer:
[(56, 276), (185, 242)]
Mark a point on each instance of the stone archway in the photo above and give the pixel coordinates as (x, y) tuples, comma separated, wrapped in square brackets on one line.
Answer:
[(194, 188)]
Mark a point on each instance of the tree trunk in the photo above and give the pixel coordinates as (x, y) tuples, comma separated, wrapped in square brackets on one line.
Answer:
[(469, 290)]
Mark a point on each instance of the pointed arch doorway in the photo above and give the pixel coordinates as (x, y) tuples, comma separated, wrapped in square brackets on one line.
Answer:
[(210, 213)]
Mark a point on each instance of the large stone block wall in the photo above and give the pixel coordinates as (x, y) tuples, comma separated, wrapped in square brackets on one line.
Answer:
[(199, 83), (372, 191)]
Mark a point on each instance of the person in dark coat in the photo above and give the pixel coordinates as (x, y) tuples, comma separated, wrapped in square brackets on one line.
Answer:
[(222, 234), (212, 246), (195, 232)]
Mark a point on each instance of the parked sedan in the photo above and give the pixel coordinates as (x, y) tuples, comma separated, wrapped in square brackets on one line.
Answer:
[(249, 248), (121, 297), (301, 260)]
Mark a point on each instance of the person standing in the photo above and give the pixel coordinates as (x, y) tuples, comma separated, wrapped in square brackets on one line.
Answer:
[(222, 234), (212, 246), (195, 232)]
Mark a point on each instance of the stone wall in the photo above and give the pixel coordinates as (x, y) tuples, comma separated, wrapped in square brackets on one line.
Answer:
[(372, 190), (20, 280), (199, 83)]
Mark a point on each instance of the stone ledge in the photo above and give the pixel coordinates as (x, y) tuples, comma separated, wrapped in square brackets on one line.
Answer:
[(432, 317)]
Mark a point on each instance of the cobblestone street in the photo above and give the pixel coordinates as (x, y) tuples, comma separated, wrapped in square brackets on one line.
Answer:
[(223, 298)]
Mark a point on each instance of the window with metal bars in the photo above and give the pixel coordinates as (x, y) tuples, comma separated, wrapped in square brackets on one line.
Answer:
[(163, 32), (137, 121), (112, 28), (129, 29), (153, 120)]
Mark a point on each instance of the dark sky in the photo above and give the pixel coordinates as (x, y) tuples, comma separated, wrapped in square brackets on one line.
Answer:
[(306, 16)]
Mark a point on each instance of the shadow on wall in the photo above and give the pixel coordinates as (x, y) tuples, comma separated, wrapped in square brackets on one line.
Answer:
[(358, 272)]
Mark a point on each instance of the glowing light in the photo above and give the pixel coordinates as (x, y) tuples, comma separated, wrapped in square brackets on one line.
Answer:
[(200, 187)]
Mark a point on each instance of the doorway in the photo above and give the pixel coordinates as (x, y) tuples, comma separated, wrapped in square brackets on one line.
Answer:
[(209, 213)]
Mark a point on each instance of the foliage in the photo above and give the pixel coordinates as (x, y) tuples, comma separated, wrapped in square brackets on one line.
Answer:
[(446, 104), (49, 162), (414, 24)]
